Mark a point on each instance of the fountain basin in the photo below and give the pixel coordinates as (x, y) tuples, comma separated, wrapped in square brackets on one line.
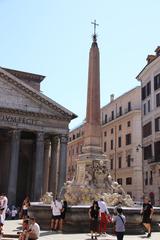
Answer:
[(77, 220)]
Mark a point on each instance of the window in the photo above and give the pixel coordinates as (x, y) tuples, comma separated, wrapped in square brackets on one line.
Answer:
[(157, 124), (129, 123), (119, 162), (148, 88), (76, 150), (80, 148), (147, 130), (119, 180), (105, 146), (105, 133), (111, 164), (157, 151), (120, 127), (144, 109), (151, 178), (111, 144), (148, 152), (128, 181), (111, 130), (112, 115), (129, 161), (143, 93), (128, 139), (119, 142), (149, 105), (146, 179), (120, 111), (129, 106), (105, 119), (74, 137), (157, 82), (158, 100)]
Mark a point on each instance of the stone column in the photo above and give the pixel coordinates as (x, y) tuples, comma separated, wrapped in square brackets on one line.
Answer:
[(46, 165), (13, 171), (62, 163), (38, 174), (53, 166)]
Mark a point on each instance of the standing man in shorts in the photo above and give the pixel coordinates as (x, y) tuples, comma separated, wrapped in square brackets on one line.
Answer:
[(56, 207), (147, 212)]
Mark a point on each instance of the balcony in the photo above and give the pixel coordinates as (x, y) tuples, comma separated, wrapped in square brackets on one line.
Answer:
[(154, 160)]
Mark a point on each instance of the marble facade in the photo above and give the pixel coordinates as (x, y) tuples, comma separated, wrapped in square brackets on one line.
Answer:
[(32, 129)]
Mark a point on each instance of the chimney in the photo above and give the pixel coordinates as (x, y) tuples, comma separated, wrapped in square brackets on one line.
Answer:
[(111, 97), (157, 51), (150, 58)]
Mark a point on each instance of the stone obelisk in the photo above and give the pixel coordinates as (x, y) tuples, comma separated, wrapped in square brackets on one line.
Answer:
[(92, 164)]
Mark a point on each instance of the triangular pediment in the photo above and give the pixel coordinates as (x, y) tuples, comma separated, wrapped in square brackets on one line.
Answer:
[(15, 94)]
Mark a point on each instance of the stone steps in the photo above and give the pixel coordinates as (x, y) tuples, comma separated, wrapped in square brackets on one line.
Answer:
[(10, 236)]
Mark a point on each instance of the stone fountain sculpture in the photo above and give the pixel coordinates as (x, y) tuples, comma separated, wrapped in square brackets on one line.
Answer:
[(103, 187)]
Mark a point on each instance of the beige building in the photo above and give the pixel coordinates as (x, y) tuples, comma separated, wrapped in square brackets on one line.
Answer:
[(150, 86), (76, 141), (121, 134)]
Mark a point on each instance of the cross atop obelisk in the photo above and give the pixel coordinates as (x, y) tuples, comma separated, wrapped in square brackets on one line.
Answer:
[(95, 25)]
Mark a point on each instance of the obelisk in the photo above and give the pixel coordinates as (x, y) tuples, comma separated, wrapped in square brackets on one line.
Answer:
[(92, 160)]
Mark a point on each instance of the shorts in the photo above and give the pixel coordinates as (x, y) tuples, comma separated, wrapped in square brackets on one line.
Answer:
[(58, 217)]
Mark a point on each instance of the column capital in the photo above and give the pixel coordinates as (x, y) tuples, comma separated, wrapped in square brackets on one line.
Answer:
[(40, 136), (64, 138), (54, 139), (15, 133)]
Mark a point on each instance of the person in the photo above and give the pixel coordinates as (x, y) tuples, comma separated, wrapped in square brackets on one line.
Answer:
[(119, 219), (56, 207), (94, 216), (25, 206), (1, 222), (34, 230), (63, 214), (13, 212), (25, 229), (105, 216), (4, 204), (147, 212)]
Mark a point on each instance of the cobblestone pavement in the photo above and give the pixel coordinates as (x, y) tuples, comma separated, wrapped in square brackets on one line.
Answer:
[(12, 226)]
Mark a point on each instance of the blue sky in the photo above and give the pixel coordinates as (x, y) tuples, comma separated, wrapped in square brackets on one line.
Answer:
[(53, 38)]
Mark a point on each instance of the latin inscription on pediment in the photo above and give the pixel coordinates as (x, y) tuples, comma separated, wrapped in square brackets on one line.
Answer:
[(17, 119)]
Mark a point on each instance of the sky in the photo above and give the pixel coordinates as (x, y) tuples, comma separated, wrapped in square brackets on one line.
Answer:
[(53, 38)]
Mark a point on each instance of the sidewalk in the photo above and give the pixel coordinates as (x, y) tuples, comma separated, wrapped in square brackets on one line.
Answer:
[(13, 226)]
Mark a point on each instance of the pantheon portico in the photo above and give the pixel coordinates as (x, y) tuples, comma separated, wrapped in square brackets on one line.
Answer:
[(33, 138)]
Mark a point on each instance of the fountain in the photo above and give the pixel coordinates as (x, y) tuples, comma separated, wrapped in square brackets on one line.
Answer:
[(92, 180)]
